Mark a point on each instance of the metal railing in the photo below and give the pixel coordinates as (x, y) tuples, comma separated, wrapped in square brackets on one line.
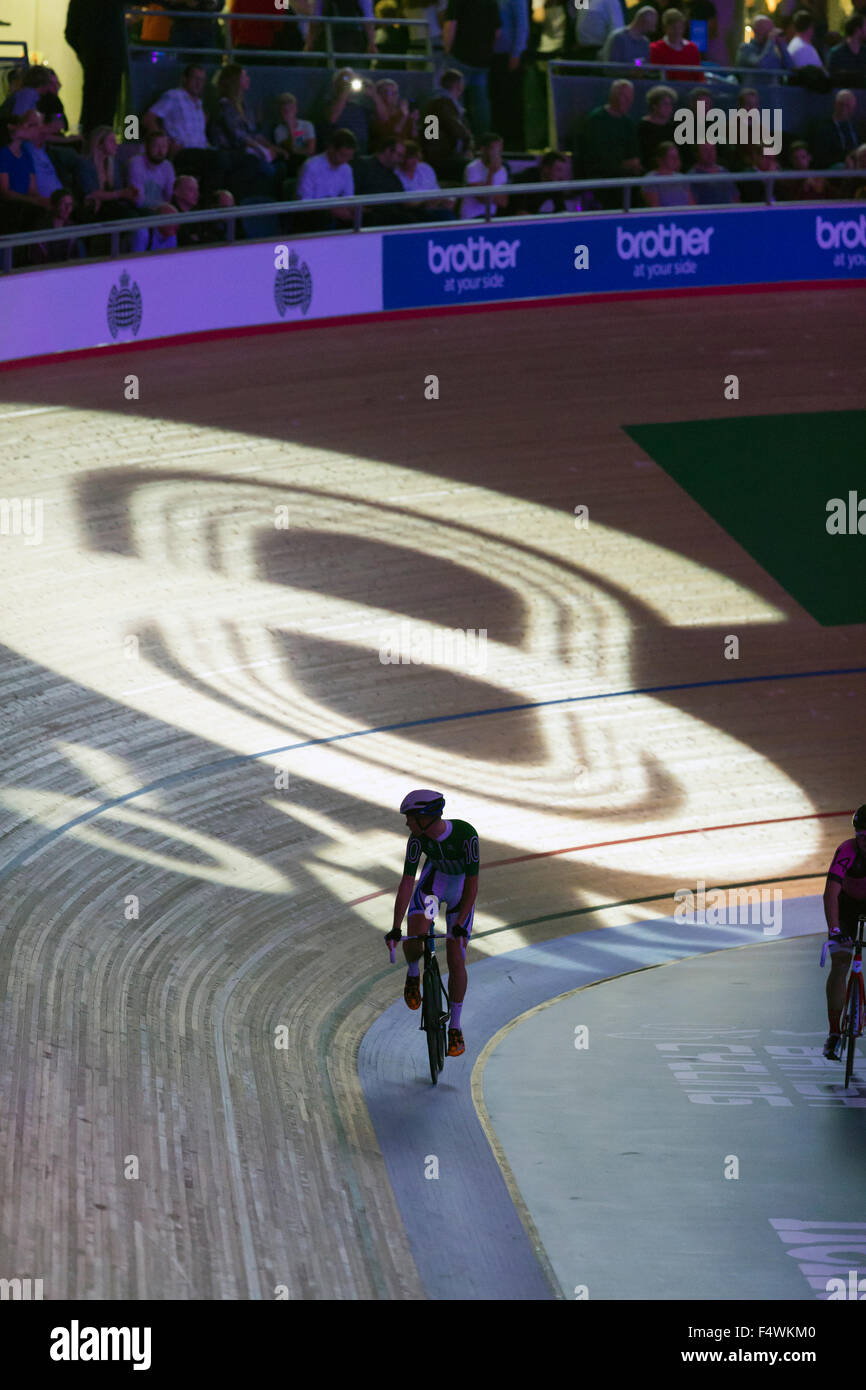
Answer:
[(653, 69), (114, 230), (290, 55)]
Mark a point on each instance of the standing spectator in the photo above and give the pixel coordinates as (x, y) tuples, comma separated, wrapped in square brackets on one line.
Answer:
[(608, 141), (377, 173), (198, 32), (631, 44), (506, 74), (446, 140), (801, 50), (96, 30), (22, 207), (836, 136), (468, 34), (704, 191), (347, 107), (392, 40), (181, 112), (329, 175), (251, 33), (553, 167), (660, 194), (99, 177), (847, 61), (595, 25), (549, 29), (47, 181), (799, 190), (657, 126), (488, 168), (676, 49), (347, 38), (392, 118), (765, 50), (152, 173)]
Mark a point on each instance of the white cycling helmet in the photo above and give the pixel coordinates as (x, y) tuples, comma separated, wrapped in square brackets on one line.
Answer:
[(423, 803)]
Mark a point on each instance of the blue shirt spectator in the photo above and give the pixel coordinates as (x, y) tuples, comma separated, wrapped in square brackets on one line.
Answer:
[(514, 28)]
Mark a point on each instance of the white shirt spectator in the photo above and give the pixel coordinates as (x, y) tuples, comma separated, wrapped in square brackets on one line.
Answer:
[(183, 117), (422, 181), (477, 172), (803, 55), (594, 24), (155, 182), (47, 181), (304, 131), (319, 179)]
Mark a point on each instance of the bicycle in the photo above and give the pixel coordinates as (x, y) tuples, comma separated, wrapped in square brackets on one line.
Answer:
[(855, 1001), (434, 1018)]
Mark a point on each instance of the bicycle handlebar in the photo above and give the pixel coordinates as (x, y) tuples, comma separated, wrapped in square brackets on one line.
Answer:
[(460, 932)]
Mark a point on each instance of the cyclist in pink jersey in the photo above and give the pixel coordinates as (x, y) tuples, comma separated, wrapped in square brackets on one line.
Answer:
[(844, 901), (450, 874)]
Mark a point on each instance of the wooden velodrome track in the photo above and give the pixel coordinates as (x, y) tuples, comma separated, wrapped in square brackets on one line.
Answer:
[(185, 870)]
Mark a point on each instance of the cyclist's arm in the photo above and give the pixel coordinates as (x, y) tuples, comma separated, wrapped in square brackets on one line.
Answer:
[(467, 898), (831, 905), (404, 897)]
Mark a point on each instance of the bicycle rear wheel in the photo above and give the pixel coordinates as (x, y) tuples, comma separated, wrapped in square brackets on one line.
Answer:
[(851, 1025)]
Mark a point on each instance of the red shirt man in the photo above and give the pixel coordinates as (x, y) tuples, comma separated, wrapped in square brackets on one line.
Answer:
[(674, 49)]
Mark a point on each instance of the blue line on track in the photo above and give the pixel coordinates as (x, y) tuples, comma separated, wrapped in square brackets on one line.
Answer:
[(188, 774)]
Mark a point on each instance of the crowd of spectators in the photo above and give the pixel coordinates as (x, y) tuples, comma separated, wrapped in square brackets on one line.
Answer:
[(207, 144)]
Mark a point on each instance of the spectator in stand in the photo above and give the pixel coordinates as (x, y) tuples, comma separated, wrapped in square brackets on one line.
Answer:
[(631, 44), (836, 136), (506, 74), (347, 107), (47, 181), (757, 162), (156, 238), (448, 149), (846, 62), (548, 32), (181, 112), (198, 32), (348, 38), (608, 142), (657, 126), (22, 207), (152, 173), (376, 174), (392, 119), (469, 34), (417, 177), (209, 233), (487, 169), (801, 50), (855, 187), (553, 167), (59, 214), (185, 198), (253, 33), (704, 191), (96, 30), (35, 84), (799, 190), (296, 137), (765, 50), (233, 129), (675, 48), (595, 26), (660, 194), (392, 40), (328, 175), (103, 195)]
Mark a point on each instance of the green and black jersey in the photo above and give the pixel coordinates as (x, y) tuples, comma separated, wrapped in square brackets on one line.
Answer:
[(456, 853)]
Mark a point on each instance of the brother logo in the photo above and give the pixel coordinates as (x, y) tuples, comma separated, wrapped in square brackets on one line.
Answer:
[(663, 240), (476, 253), (831, 235)]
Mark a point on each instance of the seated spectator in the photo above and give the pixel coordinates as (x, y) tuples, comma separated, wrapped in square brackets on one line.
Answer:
[(836, 136), (347, 105), (631, 44), (377, 173), (47, 181), (487, 169), (660, 194), (348, 38), (801, 50), (418, 177), (62, 206), (855, 188), (392, 118), (676, 49), (156, 238), (766, 50), (296, 137), (35, 83), (846, 63), (449, 141), (232, 128), (328, 175), (185, 197), (209, 233), (704, 191), (392, 40), (799, 190), (757, 162), (152, 173), (657, 126), (103, 194), (22, 207), (181, 112), (553, 167), (608, 142)]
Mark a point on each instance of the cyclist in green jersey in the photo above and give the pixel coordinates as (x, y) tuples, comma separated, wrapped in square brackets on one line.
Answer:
[(450, 875)]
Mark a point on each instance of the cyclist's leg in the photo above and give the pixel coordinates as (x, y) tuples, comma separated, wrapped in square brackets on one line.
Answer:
[(840, 960), (454, 956), (417, 921)]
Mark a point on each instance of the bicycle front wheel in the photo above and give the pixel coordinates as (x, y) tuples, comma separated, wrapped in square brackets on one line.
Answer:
[(432, 1027)]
